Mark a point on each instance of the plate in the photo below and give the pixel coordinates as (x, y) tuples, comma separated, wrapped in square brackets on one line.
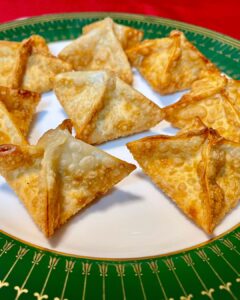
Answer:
[(134, 243)]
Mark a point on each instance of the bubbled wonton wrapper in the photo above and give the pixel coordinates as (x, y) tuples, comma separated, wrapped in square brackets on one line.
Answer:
[(29, 65), (9, 132), (59, 176), (198, 170), (215, 100), (169, 64), (21, 105), (127, 36), (102, 107), (17, 108), (101, 47)]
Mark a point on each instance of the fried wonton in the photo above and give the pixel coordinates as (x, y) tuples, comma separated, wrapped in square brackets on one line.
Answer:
[(21, 105), (101, 47), (127, 36), (169, 64), (215, 100), (102, 107), (198, 170), (29, 65), (59, 176)]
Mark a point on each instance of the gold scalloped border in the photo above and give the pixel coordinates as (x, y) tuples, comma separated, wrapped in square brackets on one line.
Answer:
[(141, 18)]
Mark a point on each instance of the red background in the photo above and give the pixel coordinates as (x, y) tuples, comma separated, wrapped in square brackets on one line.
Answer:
[(222, 16)]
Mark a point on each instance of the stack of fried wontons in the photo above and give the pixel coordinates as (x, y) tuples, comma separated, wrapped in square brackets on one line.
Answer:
[(91, 77)]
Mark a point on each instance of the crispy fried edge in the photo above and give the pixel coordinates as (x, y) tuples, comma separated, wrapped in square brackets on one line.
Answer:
[(207, 174), (190, 98), (94, 117)]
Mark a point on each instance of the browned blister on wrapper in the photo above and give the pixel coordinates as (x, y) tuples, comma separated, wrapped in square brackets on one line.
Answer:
[(59, 176), (198, 170), (102, 107), (102, 47), (169, 64)]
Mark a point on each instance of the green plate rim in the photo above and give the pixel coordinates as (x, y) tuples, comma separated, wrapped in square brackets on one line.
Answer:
[(140, 17), (153, 277)]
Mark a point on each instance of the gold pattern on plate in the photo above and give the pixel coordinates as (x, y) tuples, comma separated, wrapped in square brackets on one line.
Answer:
[(131, 17), (139, 19), (138, 272), (21, 252), (230, 245), (237, 235), (86, 268), (68, 269), (224, 285), (190, 263), (103, 268), (154, 267), (22, 290), (219, 253), (120, 267), (6, 247), (53, 261), (121, 273), (171, 267)]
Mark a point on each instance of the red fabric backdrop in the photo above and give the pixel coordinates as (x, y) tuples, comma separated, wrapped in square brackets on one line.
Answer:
[(222, 16)]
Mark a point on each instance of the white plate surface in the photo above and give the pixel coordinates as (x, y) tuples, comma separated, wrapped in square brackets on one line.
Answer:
[(135, 219)]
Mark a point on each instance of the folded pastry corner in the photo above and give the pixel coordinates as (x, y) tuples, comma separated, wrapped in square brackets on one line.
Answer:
[(102, 47), (102, 107), (17, 108), (21, 105), (127, 36), (29, 65), (170, 64), (215, 100), (198, 170), (20, 166), (9, 131), (59, 176)]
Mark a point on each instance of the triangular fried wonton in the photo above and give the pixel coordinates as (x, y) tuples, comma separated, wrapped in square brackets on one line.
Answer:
[(198, 170), (29, 65), (215, 100), (21, 105), (169, 64), (100, 48), (59, 176), (102, 107), (127, 36)]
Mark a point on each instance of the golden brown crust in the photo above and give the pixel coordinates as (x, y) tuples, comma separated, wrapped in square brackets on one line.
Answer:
[(81, 95), (23, 53), (59, 176), (29, 65), (170, 64), (8, 56), (66, 124), (21, 105), (127, 36), (9, 131), (99, 49), (214, 100), (12, 157), (102, 107), (214, 160), (39, 45), (193, 170)]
